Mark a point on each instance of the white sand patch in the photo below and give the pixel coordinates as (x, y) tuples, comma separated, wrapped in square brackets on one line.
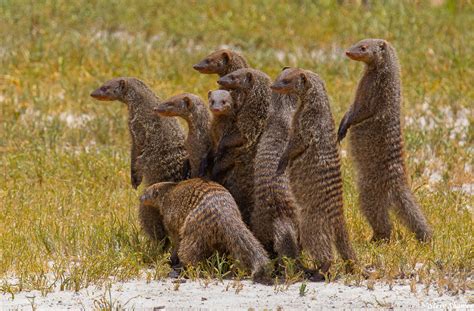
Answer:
[(166, 295), (75, 120)]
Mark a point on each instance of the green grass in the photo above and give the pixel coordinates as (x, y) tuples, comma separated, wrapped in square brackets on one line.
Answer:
[(68, 214)]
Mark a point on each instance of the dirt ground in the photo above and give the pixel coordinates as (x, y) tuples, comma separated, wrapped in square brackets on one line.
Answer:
[(244, 295)]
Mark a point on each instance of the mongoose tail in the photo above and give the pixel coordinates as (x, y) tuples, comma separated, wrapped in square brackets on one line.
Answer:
[(221, 62)]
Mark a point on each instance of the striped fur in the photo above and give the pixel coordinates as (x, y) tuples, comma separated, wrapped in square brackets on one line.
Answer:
[(157, 149), (376, 142), (273, 219), (314, 170), (250, 90), (201, 217)]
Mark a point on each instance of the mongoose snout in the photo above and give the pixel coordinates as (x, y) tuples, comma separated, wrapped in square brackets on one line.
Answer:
[(111, 90)]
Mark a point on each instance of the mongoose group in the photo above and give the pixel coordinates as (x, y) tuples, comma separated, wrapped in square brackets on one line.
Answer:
[(259, 175)]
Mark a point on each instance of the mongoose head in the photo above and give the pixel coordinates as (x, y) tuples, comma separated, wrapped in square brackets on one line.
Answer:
[(114, 89), (291, 81), (369, 51), (182, 105), (220, 102), (219, 62), (155, 194), (240, 79)]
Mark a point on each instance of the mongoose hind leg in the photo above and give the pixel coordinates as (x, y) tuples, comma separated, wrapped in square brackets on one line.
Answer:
[(316, 238), (193, 249), (285, 238), (411, 214), (344, 246), (375, 206)]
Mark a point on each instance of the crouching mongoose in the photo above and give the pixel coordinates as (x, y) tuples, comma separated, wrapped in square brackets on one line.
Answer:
[(198, 144), (202, 217), (157, 151), (376, 142), (314, 166)]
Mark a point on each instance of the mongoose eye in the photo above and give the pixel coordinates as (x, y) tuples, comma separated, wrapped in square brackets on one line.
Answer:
[(363, 48), (104, 88), (285, 81)]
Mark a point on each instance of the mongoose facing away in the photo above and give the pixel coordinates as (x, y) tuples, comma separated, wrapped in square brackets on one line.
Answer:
[(157, 151), (192, 109), (273, 220), (314, 167), (376, 142), (221, 62), (251, 94), (202, 217)]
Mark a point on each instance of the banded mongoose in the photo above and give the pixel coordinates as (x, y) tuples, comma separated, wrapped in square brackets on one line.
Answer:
[(314, 167), (192, 109), (201, 217), (273, 220), (376, 142), (157, 151), (221, 62), (251, 94), (223, 124)]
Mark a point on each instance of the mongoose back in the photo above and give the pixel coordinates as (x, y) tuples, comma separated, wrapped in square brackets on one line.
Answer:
[(202, 217), (273, 220), (250, 90), (221, 62), (157, 151), (376, 142), (314, 168), (192, 109)]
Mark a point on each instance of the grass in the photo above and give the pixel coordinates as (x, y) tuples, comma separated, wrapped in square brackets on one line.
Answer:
[(68, 214)]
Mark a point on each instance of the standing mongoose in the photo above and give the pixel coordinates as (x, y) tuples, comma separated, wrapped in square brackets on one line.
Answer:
[(221, 62), (376, 142), (223, 124), (273, 220), (157, 151), (314, 167), (201, 217), (251, 94), (198, 143)]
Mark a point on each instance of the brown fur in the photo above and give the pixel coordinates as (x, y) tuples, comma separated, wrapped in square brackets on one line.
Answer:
[(314, 168), (221, 62), (376, 142), (192, 109), (273, 220), (250, 90), (223, 125), (202, 217), (157, 151)]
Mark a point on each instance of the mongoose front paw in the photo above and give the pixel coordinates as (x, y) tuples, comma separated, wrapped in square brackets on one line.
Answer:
[(281, 167)]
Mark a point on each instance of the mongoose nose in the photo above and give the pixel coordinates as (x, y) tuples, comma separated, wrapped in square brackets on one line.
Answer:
[(348, 53), (197, 66)]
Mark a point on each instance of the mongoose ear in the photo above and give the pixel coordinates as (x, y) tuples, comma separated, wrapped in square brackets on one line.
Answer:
[(226, 57), (303, 78), (122, 84), (285, 68), (209, 94), (249, 77), (383, 45), (187, 101)]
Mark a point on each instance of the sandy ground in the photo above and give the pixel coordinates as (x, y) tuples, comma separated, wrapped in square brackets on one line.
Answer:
[(158, 295)]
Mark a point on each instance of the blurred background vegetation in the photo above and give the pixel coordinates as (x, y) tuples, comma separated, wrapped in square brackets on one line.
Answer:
[(68, 212)]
